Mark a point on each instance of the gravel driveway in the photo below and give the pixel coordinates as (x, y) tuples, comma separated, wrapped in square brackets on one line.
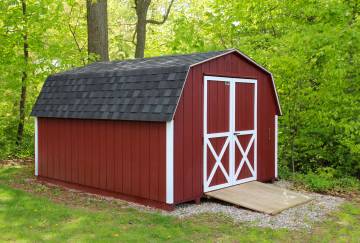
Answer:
[(302, 216)]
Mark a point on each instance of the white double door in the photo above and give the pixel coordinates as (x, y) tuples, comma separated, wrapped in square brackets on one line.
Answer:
[(230, 115)]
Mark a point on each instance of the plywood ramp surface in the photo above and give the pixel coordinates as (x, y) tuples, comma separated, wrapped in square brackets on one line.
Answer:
[(260, 197)]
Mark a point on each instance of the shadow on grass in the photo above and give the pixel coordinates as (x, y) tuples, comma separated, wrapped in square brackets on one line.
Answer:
[(26, 217), (32, 218), (29, 216), (7, 172)]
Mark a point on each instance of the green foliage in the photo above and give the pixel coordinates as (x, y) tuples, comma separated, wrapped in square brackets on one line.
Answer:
[(324, 180), (311, 47), (313, 50), (51, 48), (318, 182)]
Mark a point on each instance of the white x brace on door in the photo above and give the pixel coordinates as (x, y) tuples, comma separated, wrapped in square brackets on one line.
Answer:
[(234, 161)]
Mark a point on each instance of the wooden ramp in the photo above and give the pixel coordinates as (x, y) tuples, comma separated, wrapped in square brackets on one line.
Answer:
[(260, 197)]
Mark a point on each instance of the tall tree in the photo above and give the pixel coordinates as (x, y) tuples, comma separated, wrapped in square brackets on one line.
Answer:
[(142, 7), (97, 29), (20, 130)]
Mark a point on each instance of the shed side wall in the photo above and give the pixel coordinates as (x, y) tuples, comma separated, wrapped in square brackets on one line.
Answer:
[(117, 156), (188, 124)]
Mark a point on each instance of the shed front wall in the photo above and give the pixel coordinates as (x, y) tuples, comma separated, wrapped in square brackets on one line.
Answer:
[(188, 124), (117, 156)]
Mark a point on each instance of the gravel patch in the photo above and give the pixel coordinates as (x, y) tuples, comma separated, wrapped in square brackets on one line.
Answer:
[(299, 217)]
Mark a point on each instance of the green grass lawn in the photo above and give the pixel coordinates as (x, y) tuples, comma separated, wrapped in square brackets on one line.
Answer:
[(48, 214)]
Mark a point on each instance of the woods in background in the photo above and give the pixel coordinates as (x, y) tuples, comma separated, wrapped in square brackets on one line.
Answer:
[(142, 8), (312, 48)]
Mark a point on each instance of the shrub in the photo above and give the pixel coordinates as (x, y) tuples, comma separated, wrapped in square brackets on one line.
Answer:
[(324, 180), (318, 182)]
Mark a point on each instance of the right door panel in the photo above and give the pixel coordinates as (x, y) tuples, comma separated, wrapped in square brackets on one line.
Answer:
[(245, 131)]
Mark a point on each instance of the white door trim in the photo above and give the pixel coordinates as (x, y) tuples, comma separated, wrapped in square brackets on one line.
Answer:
[(36, 144), (170, 162), (231, 138), (229, 79)]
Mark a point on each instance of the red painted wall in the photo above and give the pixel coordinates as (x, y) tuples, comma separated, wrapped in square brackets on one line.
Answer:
[(188, 124), (118, 156)]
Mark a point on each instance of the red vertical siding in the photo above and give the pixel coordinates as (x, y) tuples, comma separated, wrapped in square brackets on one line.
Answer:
[(188, 124), (88, 155), (144, 167), (197, 126), (188, 141), (162, 166), (118, 156), (179, 153)]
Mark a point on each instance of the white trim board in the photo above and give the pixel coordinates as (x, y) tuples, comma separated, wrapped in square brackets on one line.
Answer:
[(229, 79), (244, 56), (170, 162), (36, 144), (223, 54)]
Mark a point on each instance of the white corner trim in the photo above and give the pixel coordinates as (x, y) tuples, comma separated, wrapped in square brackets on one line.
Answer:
[(170, 162), (36, 146), (276, 146)]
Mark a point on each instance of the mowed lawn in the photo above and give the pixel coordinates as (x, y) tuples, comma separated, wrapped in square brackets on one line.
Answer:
[(31, 213)]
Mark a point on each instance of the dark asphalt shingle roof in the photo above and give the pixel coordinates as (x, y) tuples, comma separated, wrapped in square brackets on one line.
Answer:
[(145, 89)]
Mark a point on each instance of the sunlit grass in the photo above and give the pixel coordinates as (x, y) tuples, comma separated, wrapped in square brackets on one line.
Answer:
[(33, 217)]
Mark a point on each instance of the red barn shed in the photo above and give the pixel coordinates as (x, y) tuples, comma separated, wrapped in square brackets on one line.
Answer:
[(158, 131)]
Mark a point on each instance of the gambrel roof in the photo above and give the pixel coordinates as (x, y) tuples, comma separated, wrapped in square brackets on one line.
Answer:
[(146, 89)]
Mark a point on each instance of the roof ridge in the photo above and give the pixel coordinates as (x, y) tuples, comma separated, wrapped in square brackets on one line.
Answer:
[(107, 73), (158, 62), (170, 55)]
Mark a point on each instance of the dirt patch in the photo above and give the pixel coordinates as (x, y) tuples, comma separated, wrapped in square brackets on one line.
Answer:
[(70, 197), (17, 162)]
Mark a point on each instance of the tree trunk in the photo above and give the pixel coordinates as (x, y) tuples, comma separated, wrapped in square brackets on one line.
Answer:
[(97, 27), (141, 7), (22, 102)]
